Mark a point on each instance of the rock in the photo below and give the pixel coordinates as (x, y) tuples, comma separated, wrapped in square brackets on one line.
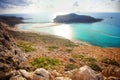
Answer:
[(26, 74), (55, 73), (11, 56), (62, 78), (112, 78), (75, 18), (18, 77), (41, 73), (111, 71), (85, 73)]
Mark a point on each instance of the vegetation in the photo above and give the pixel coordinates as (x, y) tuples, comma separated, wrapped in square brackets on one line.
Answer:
[(51, 48), (78, 56), (70, 67), (46, 62), (89, 59), (69, 49), (110, 61), (94, 66), (26, 46), (81, 57)]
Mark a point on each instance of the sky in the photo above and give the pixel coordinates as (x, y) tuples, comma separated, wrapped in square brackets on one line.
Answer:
[(37, 6)]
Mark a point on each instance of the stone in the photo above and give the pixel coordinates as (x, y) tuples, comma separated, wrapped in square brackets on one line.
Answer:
[(56, 74), (26, 74), (111, 71), (62, 78), (18, 77), (86, 73), (41, 73)]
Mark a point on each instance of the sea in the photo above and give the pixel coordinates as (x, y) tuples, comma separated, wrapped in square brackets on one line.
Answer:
[(104, 34)]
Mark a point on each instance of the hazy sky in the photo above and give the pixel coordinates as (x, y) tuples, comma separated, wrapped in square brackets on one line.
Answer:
[(32, 6)]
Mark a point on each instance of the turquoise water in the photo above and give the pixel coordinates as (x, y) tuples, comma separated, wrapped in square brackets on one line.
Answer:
[(104, 34)]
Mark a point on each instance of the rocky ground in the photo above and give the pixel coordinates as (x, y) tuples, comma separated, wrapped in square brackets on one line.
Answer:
[(39, 56)]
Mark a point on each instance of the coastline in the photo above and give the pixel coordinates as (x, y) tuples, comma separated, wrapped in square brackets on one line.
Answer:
[(77, 42), (99, 51), (72, 55)]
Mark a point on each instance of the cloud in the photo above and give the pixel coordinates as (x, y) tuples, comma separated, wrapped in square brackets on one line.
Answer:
[(36, 6), (13, 3), (76, 4)]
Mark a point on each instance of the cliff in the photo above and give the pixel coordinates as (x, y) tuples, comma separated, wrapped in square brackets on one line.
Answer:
[(75, 18)]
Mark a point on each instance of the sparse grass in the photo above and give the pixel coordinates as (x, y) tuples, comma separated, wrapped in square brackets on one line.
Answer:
[(70, 67), (69, 49), (84, 59), (51, 48), (110, 61), (78, 56), (89, 59), (46, 62), (94, 66), (26, 46)]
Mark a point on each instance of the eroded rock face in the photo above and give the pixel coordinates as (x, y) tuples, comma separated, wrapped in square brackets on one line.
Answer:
[(11, 57)]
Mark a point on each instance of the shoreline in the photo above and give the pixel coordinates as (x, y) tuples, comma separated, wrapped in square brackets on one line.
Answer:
[(77, 42)]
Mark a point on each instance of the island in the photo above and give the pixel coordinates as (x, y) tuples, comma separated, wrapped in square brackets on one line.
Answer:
[(75, 18)]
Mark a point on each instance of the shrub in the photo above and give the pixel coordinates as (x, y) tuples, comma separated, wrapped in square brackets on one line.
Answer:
[(89, 59), (94, 66), (78, 56), (27, 46), (69, 49), (52, 48), (46, 62), (70, 67), (110, 61)]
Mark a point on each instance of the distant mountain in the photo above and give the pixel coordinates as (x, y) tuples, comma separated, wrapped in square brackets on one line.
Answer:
[(75, 18)]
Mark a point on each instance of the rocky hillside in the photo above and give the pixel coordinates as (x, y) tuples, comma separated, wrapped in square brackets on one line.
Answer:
[(11, 57)]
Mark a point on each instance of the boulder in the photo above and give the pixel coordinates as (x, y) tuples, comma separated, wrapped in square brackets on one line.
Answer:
[(85, 73), (18, 77), (41, 74), (111, 71)]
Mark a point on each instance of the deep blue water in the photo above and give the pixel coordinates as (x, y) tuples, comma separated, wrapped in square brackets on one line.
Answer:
[(104, 34)]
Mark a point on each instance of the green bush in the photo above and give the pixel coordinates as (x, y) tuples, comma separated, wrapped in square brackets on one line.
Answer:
[(52, 48), (70, 67), (27, 46), (89, 59), (69, 49), (78, 56), (110, 61), (46, 62), (94, 66)]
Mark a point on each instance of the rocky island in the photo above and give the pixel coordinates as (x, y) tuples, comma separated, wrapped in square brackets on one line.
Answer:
[(75, 18)]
